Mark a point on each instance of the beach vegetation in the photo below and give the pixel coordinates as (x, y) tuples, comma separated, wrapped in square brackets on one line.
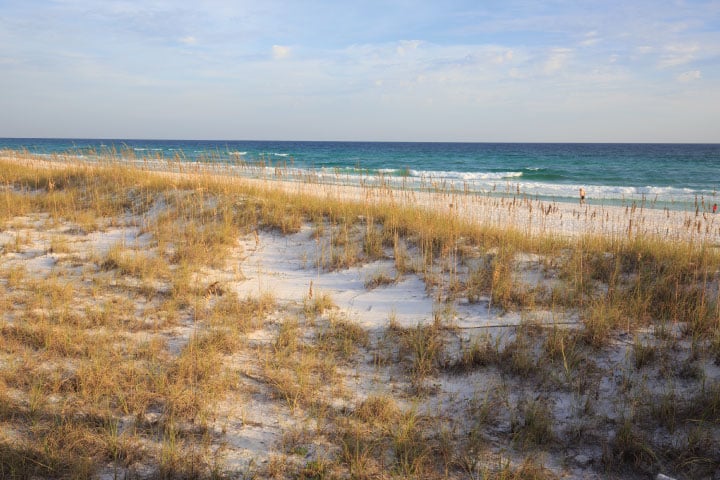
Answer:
[(379, 279), (126, 349)]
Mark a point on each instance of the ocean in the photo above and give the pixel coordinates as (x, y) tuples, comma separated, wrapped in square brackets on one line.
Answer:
[(656, 175)]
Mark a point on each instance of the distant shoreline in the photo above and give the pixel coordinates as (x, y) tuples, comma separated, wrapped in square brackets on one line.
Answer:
[(674, 176), (534, 217)]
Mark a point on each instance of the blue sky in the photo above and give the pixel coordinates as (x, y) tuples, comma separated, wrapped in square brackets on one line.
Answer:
[(513, 70)]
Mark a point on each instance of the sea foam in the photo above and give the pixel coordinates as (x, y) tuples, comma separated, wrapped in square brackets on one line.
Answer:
[(464, 175)]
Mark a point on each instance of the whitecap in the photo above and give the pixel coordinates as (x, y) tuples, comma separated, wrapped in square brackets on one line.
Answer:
[(455, 175)]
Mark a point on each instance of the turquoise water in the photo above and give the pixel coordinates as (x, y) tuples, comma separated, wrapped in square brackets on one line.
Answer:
[(658, 174)]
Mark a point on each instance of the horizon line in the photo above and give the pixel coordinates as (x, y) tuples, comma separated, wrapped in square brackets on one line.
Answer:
[(516, 142)]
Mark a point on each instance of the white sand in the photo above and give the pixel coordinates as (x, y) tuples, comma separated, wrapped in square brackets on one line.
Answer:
[(250, 428)]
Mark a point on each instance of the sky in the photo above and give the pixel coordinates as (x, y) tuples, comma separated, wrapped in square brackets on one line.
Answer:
[(480, 71)]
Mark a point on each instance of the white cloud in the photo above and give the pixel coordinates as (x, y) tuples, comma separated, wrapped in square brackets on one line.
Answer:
[(515, 73), (591, 38), (407, 46), (279, 52), (505, 57), (189, 40), (689, 76), (557, 60), (678, 55)]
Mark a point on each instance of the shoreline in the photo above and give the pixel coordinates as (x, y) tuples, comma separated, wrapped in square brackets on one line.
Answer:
[(650, 176), (524, 213)]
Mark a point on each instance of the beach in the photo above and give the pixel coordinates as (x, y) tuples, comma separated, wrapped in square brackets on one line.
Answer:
[(533, 216), (220, 324), (512, 208), (676, 176)]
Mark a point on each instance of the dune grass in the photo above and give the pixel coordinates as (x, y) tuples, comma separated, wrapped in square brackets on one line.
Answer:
[(115, 360)]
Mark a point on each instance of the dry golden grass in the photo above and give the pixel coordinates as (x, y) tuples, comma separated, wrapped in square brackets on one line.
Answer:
[(120, 358)]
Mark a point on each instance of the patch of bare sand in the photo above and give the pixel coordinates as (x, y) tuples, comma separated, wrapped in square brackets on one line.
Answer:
[(286, 267)]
